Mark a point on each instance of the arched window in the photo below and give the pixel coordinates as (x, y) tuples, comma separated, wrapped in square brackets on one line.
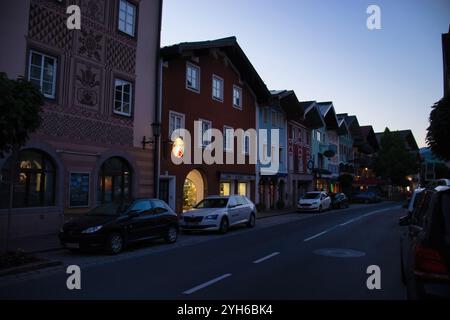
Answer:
[(115, 181), (34, 183)]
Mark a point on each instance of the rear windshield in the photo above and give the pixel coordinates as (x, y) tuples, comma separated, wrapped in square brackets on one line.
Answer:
[(446, 211)]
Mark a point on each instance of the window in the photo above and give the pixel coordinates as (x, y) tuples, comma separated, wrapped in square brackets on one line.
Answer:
[(217, 88), (123, 97), (319, 136), (193, 77), (115, 180), (205, 126), (225, 189), (237, 97), (34, 182), (42, 73), (246, 145), (228, 138), (176, 122), (242, 189), (294, 138), (274, 119), (127, 18)]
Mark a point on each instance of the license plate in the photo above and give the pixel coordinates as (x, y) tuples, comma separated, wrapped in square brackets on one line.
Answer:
[(72, 245)]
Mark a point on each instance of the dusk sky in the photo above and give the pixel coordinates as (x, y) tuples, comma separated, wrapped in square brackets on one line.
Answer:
[(324, 51)]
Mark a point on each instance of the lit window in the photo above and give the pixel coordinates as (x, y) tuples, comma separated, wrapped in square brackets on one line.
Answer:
[(193, 77), (217, 88), (237, 97), (42, 73), (225, 189), (127, 18), (123, 97), (242, 189)]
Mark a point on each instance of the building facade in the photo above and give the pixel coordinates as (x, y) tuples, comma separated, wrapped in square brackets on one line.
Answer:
[(214, 84), (100, 87)]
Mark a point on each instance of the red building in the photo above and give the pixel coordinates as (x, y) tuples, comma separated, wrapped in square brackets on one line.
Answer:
[(215, 83), (302, 119)]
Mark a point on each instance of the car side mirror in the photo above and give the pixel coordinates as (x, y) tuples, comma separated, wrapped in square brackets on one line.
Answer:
[(404, 221)]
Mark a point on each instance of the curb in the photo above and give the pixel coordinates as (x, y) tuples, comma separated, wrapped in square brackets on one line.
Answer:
[(275, 214), (30, 267)]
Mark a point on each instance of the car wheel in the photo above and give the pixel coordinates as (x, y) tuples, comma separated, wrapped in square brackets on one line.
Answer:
[(115, 243), (251, 221), (224, 226), (320, 209), (171, 235)]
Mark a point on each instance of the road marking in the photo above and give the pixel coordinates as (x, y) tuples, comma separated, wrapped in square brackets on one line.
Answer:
[(316, 236), (207, 284), (270, 256), (348, 222)]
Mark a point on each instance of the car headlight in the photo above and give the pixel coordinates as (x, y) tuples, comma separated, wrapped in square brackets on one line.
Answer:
[(92, 230), (212, 217)]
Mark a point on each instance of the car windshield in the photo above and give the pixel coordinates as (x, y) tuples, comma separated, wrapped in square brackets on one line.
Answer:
[(212, 203), (110, 209), (313, 195)]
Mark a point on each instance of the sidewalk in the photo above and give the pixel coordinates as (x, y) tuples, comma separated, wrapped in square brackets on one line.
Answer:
[(37, 244), (274, 213)]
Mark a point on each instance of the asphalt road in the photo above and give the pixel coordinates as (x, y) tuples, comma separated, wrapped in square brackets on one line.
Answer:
[(283, 258)]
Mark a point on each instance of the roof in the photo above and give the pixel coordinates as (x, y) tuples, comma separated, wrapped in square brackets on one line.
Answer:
[(233, 51), (369, 135), (329, 115), (406, 135), (313, 117), (289, 103)]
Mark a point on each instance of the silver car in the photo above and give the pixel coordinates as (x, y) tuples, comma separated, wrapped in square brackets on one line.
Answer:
[(219, 214)]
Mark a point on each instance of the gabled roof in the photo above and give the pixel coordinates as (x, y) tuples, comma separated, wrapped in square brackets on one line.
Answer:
[(313, 117), (233, 51), (329, 115), (353, 126), (406, 135), (369, 136), (343, 128), (289, 103)]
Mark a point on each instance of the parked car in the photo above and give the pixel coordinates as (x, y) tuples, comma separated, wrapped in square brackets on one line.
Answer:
[(314, 201), (413, 201), (425, 246), (219, 214), (339, 201), (113, 226), (366, 197)]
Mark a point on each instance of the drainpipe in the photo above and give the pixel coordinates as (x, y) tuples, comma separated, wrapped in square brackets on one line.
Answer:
[(158, 86)]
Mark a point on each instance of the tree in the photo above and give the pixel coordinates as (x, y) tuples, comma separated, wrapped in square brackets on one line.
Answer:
[(439, 129), (20, 107), (394, 161)]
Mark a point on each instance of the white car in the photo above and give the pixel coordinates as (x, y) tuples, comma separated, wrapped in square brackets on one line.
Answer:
[(219, 214), (314, 201)]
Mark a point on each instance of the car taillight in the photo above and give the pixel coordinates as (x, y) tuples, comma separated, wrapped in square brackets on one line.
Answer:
[(430, 261)]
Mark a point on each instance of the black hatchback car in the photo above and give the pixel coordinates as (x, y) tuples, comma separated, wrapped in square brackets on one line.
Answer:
[(339, 201), (425, 246), (113, 226)]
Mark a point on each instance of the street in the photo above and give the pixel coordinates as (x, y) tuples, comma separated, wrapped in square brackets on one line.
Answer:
[(296, 256)]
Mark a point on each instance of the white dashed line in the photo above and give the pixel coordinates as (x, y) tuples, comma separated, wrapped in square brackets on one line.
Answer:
[(347, 223), (207, 284), (270, 256)]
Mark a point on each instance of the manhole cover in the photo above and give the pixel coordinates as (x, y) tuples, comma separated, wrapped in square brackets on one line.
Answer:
[(340, 253)]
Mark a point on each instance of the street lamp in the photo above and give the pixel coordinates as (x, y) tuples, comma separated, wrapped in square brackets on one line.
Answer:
[(156, 129)]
